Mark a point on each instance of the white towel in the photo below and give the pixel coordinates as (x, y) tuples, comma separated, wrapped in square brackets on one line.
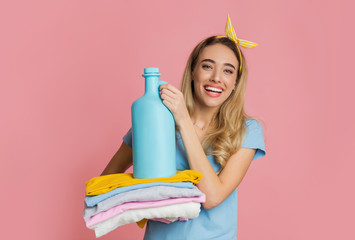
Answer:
[(184, 210)]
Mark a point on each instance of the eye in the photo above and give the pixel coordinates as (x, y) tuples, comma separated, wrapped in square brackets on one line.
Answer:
[(228, 71), (205, 66)]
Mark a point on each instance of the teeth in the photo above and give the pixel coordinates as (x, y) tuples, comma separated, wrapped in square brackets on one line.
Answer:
[(213, 89)]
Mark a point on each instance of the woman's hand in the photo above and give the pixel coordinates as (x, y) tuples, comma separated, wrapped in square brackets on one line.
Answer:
[(174, 100)]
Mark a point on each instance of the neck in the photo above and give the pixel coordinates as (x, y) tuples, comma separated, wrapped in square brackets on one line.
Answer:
[(202, 115)]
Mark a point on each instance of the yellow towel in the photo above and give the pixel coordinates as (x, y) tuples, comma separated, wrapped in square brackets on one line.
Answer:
[(142, 222), (106, 183)]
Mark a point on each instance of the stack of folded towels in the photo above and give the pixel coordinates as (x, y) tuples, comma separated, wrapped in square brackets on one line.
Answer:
[(118, 199)]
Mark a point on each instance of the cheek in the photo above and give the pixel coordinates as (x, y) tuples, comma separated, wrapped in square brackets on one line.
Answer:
[(231, 83), (201, 75)]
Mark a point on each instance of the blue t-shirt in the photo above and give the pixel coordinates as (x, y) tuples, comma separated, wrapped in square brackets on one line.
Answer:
[(219, 223)]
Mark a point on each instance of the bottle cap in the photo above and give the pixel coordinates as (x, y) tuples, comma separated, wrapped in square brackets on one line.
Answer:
[(151, 71)]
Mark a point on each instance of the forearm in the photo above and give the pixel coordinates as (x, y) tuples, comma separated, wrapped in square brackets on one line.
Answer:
[(120, 162), (210, 184), (113, 168)]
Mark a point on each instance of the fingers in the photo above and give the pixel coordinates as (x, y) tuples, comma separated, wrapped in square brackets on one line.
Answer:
[(167, 91), (167, 95), (169, 87), (168, 99), (173, 99), (170, 96), (169, 105)]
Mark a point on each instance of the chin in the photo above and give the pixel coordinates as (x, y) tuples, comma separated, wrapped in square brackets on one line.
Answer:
[(213, 104)]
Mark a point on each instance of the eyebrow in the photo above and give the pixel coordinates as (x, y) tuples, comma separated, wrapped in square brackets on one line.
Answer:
[(212, 61)]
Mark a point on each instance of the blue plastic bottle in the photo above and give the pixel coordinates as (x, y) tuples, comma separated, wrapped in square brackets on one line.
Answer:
[(153, 127)]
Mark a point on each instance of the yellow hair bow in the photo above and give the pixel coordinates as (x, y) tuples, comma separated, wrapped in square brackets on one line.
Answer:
[(230, 33)]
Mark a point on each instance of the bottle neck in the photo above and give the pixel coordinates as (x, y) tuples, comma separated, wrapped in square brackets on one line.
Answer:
[(151, 85)]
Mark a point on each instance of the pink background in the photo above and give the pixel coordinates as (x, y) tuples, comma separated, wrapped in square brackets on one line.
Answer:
[(70, 70)]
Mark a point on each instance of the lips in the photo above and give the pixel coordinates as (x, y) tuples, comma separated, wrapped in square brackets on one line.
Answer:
[(213, 91)]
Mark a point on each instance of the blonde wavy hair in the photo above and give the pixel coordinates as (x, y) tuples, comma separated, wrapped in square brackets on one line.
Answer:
[(227, 128)]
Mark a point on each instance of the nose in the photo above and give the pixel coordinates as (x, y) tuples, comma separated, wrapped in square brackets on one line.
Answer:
[(216, 76)]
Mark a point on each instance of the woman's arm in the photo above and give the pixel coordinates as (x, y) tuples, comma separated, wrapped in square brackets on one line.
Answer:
[(120, 162), (216, 187)]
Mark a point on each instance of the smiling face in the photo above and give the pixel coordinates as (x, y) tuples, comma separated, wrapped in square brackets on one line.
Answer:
[(214, 75)]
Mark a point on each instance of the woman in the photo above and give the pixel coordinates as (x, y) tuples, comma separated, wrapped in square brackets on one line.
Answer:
[(214, 136)]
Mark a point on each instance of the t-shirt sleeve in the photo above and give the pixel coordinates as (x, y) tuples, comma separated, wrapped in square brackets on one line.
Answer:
[(254, 138), (127, 139)]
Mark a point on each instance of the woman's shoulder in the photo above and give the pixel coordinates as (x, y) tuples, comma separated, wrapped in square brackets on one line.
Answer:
[(254, 130), (254, 137), (252, 123)]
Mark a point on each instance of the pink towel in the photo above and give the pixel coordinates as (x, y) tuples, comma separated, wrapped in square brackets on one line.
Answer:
[(102, 216)]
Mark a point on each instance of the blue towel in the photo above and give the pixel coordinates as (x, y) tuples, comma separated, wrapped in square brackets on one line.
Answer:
[(91, 201)]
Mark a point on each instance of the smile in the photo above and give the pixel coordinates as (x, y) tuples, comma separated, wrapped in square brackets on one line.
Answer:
[(213, 91)]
